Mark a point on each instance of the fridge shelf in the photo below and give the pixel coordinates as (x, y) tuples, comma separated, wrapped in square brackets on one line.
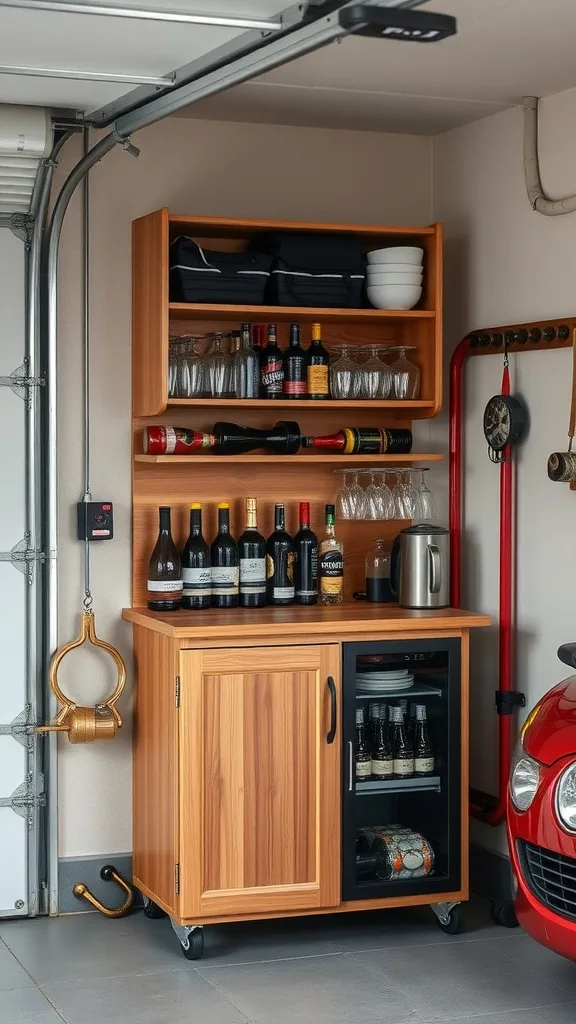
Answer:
[(430, 784), (418, 690)]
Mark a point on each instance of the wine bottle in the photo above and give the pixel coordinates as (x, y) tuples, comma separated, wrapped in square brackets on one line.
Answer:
[(252, 554), (423, 751), (382, 754), (271, 367), (233, 439), (363, 441), (279, 562), (305, 559), (224, 562), (295, 371), (331, 563), (196, 573), (317, 359), (401, 745), (363, 755), (175, 441), (164, 569)]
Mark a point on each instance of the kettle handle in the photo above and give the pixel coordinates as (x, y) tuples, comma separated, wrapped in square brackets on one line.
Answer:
[(435, 568), (395, 568)]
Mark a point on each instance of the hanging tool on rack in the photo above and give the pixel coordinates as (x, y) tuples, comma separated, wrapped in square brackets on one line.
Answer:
[(562, 465), (85, 724)]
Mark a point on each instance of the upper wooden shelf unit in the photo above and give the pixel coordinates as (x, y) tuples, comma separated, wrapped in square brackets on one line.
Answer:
[(156, 319)]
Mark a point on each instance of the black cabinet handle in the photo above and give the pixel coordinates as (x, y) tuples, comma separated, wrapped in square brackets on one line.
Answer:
[(330, 735)]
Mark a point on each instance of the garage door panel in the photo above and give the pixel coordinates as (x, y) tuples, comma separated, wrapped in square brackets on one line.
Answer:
[(12, 644), (13, 867)]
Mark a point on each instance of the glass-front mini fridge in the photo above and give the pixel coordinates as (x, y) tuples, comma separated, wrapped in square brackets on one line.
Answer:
[(401, 771)]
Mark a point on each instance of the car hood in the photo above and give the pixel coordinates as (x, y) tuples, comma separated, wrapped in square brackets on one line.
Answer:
[(552, 734)]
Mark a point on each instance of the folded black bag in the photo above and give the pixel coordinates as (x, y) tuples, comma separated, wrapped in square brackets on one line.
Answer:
[(208, 275), (313, 268)]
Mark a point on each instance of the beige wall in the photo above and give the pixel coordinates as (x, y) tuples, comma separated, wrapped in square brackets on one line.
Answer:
[(192, 167), (504, 264)]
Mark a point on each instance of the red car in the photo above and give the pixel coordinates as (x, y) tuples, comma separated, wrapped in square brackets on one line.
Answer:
[(542, 817)]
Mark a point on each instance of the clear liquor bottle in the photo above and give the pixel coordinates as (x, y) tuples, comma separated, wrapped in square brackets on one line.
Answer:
[(331, 563)]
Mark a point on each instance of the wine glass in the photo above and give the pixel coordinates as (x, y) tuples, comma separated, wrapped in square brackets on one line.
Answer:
[(427, 502), (375, 376), (219, 368), (351, 499), (385, 498), (373, 507), (344, 382), (405, 375)]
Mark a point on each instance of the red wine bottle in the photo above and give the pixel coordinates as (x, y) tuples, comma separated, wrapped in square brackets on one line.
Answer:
[(224, 559), (317, 359), (295, 366), (279, 562), (363, 441), (252, 552), (165, 570), (233, 439), (306, 559), (271, 367), (196, 565)]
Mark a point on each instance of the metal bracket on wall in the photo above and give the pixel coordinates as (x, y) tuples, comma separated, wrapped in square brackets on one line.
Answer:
[(23, 558), (21, 728), (21, 383), (20, 224), (27, 797)]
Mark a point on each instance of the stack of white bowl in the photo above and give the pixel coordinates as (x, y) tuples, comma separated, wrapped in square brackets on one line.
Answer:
[(394, 277)]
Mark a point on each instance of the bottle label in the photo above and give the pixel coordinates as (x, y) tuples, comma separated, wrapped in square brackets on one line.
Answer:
[(424, 765), (404, 766), (197, 582), (363, 769), (295, 387), (317, 380), (383, 769), (331, 573), (273, 376), (364, 440), (165, 587), (224, 580), (283, 593), (252, 575)]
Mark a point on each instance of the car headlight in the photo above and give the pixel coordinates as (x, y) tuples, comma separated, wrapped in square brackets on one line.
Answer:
[(524, 781), (566, 798)]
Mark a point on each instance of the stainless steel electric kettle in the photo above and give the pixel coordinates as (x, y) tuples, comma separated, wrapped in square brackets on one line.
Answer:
[(420, 569)]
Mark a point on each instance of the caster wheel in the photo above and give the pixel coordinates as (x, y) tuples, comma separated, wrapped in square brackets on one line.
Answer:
[(107, 872), (454, 923), (152, 910), (193, 947), (504, 914)]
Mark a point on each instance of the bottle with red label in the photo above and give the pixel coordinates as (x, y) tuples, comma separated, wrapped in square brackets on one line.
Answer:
[(271, 367), (295, 366)]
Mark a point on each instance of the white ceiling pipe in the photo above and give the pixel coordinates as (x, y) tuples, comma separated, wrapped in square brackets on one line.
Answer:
[(144, 14), (536, 194), (85, 76)]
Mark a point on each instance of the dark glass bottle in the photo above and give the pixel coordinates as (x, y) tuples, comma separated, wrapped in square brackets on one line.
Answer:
[(252, 553), (224, 562), (401, 745), (363, 754), (317, 359), (279, 562), (424, 763), (306, 559), (196, 573), (363, 441), (165, 569), (234, 439), (271, 367), (295, 369), (382, 754), (373, 716)]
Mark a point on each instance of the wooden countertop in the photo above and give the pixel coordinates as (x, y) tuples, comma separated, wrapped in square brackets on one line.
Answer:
[(298, 620)]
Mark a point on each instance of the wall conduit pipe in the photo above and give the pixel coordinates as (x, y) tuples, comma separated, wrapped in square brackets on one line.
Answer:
[(536, 194)]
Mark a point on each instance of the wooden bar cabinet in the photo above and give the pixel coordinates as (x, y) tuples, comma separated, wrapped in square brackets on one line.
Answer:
[(246, 803)]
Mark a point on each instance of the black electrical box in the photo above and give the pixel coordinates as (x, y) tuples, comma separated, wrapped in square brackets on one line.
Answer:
[(395, 23), (95, 520)]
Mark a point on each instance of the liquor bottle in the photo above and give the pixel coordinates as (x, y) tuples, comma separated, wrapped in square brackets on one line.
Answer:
[(258, 338), (363, 755), (246, 366), (317, 359), (252, 553), (196, 573), (271, 367), (423, 751), (402, 748), (363, 441), (331, 563), (224, 562), (233, 439), (164, 569), (295, 371), (382, 753), (174, 441), (279, 562), (373, 716), (305, 559)]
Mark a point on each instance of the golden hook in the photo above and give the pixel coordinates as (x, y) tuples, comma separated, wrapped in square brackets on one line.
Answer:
[(107, 874)]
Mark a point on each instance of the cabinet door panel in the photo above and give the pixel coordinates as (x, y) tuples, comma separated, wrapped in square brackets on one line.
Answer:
[(260, 785)]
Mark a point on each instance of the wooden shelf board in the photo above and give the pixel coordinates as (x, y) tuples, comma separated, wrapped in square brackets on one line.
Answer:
[(303, 314), (272, 403), (301, 460), (238, 227)]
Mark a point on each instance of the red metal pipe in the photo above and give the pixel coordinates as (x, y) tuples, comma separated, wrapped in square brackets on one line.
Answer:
[(495, 815)]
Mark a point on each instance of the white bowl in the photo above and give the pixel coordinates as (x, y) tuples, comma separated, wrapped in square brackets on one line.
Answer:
[(392, 279), (397, 296), (397, 254), (394, 268)]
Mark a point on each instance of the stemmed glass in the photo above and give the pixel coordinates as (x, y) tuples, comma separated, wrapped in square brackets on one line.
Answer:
[(219, 372), (405, 495), (427, 509), (405, 383), (372, 497), (344, 379), (385, 496), (351, 499), (375, 376)]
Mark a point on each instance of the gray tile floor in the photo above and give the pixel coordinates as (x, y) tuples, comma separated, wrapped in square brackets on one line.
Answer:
[(378, 968)]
